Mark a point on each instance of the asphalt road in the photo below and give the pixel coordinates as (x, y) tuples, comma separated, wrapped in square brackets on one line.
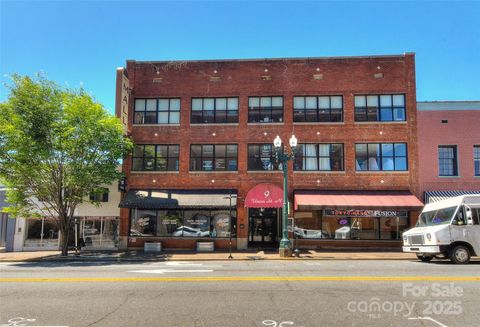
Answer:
[(239, 293)]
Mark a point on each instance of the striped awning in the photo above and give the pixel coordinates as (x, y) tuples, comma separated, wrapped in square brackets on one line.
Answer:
[(435, 196)]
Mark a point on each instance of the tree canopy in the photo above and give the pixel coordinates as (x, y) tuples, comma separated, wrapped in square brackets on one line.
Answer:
[(56, 147)]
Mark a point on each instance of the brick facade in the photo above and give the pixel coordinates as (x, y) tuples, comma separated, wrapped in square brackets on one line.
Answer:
[(460, 128), (346, 76)]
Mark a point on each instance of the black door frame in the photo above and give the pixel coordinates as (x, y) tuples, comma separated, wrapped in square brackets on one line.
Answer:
[(276, 230)]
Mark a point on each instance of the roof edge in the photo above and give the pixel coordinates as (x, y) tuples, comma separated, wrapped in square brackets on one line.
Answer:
[(275, 58)]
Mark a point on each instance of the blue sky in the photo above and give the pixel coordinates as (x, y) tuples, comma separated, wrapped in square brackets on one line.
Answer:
[(82, 42)]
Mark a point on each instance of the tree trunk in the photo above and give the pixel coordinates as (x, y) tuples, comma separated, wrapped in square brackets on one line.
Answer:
[(65, 229)]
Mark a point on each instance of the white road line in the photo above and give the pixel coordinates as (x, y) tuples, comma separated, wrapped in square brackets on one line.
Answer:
[(163, 271), (430, 319)]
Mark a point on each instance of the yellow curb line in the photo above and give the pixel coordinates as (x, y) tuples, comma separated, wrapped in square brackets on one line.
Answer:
[(241, 279)]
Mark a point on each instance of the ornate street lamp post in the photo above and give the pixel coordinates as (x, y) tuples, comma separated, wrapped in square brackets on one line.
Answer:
[(230, 197), (283, 157)]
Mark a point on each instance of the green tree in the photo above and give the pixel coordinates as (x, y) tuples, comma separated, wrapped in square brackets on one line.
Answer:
[(56, 147)]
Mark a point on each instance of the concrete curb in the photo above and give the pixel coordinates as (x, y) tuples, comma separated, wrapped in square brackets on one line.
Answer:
[(72, 259)]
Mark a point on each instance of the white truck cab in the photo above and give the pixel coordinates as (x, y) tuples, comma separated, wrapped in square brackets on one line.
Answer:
[(446, 229)]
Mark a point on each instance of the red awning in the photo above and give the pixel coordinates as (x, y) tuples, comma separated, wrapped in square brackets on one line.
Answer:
[(264, 196), (358, 200)]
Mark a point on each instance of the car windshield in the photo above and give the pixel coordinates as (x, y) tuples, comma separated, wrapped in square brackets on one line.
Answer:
[(436, 217)]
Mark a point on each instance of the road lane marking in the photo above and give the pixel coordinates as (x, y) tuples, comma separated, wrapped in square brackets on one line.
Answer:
[(163, 271), (430, 319), (244, 279)]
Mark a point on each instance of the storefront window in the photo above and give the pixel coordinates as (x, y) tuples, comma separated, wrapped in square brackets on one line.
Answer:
[(336, 227), (143, 222), (169, 222), (221, 223), (99, 232), (183, 223), (391, 228), (308, 225), (196, 224), (42, 232), (364, 228), (351, 224)]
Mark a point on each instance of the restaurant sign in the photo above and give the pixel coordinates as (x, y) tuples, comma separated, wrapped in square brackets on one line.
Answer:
[(364, 213)]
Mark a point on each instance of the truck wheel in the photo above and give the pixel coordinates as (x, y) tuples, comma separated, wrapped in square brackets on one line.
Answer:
[(424, 257), (460, 255)]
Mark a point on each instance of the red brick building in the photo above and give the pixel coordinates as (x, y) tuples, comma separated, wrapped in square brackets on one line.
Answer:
[(449, 148), (204, 131)]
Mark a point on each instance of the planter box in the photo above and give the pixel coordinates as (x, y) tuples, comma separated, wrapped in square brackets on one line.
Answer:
[(205, 246), (152, 247)]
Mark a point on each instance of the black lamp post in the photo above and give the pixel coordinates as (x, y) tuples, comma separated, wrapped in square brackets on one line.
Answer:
[(283, 157), (230, 197)]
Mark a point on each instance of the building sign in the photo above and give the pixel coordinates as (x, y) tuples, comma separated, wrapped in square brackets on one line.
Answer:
[(264, 196), (364, 213), (125, 99)]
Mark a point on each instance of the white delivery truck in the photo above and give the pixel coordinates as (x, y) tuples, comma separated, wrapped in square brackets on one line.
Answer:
[(446, 229)]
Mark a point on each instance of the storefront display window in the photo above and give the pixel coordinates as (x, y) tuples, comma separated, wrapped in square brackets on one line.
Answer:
[(196, 224), (183, 223), (391, 228), (42, 232), (351, 224), (364, 228), (336, 227), (169, 222), (143, 222), (99, 232), (221, 224)]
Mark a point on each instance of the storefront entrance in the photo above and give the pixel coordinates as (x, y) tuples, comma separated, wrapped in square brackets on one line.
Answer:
[(263, 227), (99, 233)]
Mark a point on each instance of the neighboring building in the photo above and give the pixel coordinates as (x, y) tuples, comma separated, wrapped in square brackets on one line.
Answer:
[(204, 131), (97, 225), (6, 226), (449, 148)]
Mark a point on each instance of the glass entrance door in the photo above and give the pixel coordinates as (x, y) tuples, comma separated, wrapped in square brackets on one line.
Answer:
[(263, 227)]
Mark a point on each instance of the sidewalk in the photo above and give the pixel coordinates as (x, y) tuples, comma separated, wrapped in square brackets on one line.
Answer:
[(172, 255)]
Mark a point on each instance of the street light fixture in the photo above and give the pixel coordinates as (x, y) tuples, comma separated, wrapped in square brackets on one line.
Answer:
[(282, 156)]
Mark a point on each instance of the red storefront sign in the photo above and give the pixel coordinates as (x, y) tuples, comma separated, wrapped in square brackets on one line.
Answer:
[(264, 196)]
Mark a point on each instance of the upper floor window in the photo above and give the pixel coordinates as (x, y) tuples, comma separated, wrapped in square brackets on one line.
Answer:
[(214, 110), (151, 157), (381, 156), (386, 107), (157, 111), (262, 157), (213, 157), (447, 160), (99, 196), (476, 159), (318, 109), (265, 109), (323, 157)]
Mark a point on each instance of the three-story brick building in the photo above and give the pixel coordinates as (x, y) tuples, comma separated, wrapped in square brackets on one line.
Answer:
[(204, 163)]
